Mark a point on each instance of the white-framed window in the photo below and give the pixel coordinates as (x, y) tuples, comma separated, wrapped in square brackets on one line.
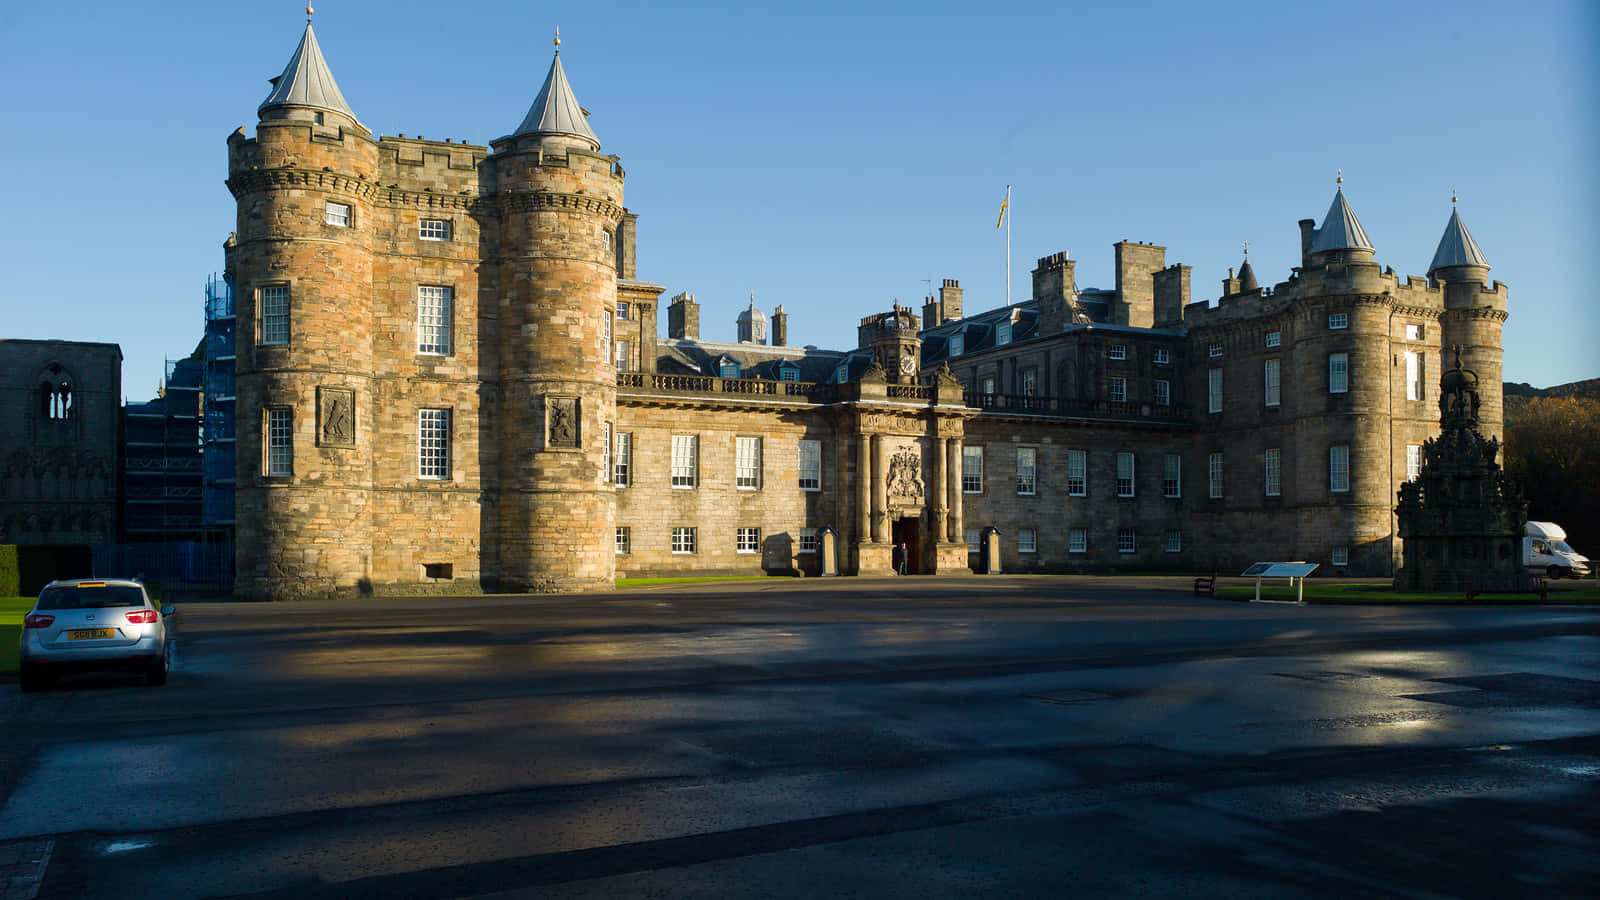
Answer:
[(606, 448), (1214, 351), (788, 373), (1125, 540), (1119, 389), (433, 444), (747, 463), (1337, 321), (622, 459), (1027, 469), (1214, 390), (685, 460), (279, 426), (810, 465), (1339, 556), (1172, 475), (605, 240), (1117, 351), (1028, 382), (1214, 476), (842, 374), (434, 229), (1270, 375), (607, 345), (1174, 542), (683, 539), (1002, 333), (1272, 471), (1161, 392), (1339, 468), (1338, 373), (624, 540), (728, 369), (1162, 356), (808, 540), (1413, 462), (958, 345), (274, 305), (747, 540), (972, 470), (624, 310), (1413, 332), (433, 319), (338, 214), (624, 356), (1413, 375), (987, 385), (1027, 540), (1077, 473), (1077, 540), (1124, 473), (1274, 338), (973, 536)]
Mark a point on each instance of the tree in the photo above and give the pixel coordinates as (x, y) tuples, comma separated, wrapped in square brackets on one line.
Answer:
[(1553, 448)]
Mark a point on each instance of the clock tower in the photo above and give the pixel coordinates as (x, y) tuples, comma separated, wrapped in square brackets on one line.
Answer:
[(894, 342)]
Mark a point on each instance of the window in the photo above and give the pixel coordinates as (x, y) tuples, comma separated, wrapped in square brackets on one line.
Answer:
[(1028, 382), (1270, 379), (1027, 540), (1214, 390), (1413, 375), (434, 230), (1162, 356), (685, 460), (1027, 469), (808, 540), (1002, 333), (1413, 462), (1119, 390), (339, 214), (1338, 373), (1272, 472), (280, 442), (605, 240), (987, 385), (624, 542), (624, 310), (1172, 475), (682, 540), (1124, 474), (728, 369), (275, 314), (1338, 468), (1274, 338), (788, 373), (747, 462), (1413, 332), (810, 465), (1337, 321), (622, 460), (973, 536), (972, 470), (1125, 543), (958, 345), (748, 540), (433, 319), (1161, 392), (1214, 476), (1339, 556), (433, 444), (606, 344), (624, 356), (1117, 351), (605, 453), (1174, 542), (1214, 351), (1078, 540), (1077, 473)]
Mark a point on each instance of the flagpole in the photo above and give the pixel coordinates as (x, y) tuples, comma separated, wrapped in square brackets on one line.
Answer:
[(1008, 245)]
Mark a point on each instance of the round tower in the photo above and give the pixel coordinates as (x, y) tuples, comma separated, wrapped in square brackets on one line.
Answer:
[(560, 203), (1474, 314), (303, 262)]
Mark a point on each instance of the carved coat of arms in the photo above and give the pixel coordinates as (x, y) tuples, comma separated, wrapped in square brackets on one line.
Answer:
[(905, 477)]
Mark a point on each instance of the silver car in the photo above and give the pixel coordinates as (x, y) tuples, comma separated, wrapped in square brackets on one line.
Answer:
[(94, 624)]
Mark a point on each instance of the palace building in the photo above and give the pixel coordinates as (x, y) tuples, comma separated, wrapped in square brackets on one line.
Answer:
[(449, 376)]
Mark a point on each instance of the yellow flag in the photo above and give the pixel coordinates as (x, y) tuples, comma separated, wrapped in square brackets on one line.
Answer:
[(1003, 204)]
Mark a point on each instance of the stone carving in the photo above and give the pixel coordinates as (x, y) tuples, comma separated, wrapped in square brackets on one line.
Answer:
[(950, 428), (905, 477), (336, 417), (561, 422)]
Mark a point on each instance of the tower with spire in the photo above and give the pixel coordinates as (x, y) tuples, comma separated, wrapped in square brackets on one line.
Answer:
[(1474, 314)]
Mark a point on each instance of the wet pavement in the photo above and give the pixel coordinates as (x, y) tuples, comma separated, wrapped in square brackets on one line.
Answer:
[(1009, 736)]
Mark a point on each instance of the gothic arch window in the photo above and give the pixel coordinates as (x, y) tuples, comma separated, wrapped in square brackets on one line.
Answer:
[(56, 397)]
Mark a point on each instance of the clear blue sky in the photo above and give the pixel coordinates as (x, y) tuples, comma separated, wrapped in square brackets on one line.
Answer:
[(833, 158)]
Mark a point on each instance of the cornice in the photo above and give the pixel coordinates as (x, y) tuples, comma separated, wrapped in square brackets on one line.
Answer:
[(535, 201), (1480, 312)]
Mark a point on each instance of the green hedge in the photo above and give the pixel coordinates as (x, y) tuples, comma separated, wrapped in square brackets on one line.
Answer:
[(25, 569), (10, 572)]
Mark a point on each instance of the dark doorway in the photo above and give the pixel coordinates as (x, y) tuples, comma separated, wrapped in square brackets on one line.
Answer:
[(908, 530)]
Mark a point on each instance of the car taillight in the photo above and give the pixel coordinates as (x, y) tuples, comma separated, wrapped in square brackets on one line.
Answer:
[(37, 621), (142, 616)]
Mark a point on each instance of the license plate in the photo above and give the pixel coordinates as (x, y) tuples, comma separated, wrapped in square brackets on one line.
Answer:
[(90, 634)]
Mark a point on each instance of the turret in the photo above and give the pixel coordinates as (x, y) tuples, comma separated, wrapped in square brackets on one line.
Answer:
[(752, 324), (306, 91), (1474, 314), (1341, 237)]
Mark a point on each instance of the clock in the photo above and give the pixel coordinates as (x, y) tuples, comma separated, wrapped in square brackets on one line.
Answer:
[(908, 362)]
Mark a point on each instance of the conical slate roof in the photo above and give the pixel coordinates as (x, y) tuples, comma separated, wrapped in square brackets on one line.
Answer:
[(556, 110), (307, 81), (1457, 248), (1247, 277), (1340, 230)]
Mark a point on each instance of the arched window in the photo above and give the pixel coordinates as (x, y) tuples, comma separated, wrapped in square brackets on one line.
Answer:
[(57, 400)]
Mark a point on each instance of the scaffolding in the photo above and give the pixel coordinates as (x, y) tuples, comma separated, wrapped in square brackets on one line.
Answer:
[(218, 422)]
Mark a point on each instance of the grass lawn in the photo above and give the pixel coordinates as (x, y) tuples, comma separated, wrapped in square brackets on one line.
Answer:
[(1325, 592), (11, 611), (637, 582)]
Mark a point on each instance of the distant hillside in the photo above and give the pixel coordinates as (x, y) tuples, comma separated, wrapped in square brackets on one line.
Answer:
[(1518, 395)]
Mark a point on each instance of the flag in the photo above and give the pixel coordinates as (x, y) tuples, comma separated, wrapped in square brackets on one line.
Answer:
[(1003, 204)]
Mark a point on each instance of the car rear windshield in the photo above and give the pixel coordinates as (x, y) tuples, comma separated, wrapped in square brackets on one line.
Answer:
[(96, 596)]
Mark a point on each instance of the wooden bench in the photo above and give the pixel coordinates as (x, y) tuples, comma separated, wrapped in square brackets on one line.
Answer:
[(1205, 586), (1506, 583)]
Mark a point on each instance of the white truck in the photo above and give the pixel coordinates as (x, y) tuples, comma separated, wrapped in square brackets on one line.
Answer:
[(1545, 550)]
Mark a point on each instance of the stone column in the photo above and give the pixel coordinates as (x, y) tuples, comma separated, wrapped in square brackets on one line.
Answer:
[(940, 491), (880, 506), (956, 532), (863, 490)]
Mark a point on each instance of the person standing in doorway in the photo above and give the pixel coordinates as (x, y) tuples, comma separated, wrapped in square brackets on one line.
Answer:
[(901, 558)]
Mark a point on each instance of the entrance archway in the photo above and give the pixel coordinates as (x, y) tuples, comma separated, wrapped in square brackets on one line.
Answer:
[(907, 529)]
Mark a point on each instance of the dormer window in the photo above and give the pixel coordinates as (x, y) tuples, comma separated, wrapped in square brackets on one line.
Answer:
[(1002, 334), (788, 373), (957, 345), (728, 369)]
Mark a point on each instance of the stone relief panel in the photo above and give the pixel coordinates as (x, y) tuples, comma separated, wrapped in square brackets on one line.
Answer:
[(905, 485), (336, 417), (561, 423)]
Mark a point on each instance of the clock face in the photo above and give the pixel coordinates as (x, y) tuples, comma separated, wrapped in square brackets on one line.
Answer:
[(908, 363)]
